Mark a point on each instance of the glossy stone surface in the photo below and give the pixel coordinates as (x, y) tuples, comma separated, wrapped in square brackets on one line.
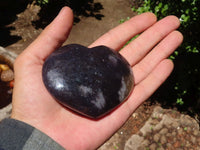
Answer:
[(90, 81)]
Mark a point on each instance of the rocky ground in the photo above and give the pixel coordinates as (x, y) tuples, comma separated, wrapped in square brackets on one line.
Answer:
[(165, 129), (151, 127)]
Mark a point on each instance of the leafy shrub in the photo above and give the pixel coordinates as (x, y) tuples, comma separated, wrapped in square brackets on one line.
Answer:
[(183, 86), (188, 12), (42, 2)]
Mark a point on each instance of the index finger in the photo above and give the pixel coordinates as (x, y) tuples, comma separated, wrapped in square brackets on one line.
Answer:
[(118, 36)]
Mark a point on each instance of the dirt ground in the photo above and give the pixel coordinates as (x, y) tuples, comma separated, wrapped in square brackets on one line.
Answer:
[(85, 31)]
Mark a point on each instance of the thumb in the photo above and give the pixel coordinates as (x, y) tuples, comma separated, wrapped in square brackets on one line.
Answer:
[(53, 35)]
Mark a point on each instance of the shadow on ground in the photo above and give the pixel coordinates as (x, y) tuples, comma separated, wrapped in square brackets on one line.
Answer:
[(86, 8), (182, 88), (9, 10), (8, 13)]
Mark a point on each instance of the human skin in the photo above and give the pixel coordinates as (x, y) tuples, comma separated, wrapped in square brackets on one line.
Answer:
[(147, 55)]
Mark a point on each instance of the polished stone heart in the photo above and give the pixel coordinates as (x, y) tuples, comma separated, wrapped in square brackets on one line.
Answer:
[(90, 81)]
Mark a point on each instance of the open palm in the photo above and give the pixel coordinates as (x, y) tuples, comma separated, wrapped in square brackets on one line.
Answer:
[(147, 55)]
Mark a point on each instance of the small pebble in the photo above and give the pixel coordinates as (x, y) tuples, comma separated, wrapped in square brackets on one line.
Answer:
[(180, 131), (163, 139), (168, 134), (174, 133), (7, 75), (193, 139), (164, 131), (156, 137), (175, 124), (198, 140), (153, 146), (160, 148), (169, 145), (188, 144), (145, 142), (195, 132)]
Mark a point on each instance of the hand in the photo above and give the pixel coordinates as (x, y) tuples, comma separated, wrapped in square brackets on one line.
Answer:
[(147, 55)]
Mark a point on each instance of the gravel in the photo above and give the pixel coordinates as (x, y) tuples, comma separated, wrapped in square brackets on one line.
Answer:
[(166, 129)]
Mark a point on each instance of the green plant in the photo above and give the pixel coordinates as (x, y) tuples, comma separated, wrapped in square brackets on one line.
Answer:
[(183, 86), (42, 2), (179, 101), (188, 13), (185, 128)]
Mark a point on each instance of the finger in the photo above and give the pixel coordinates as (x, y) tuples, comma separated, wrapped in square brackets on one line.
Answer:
[(118, 36), (163, 50), (53, 35), (138, 48), (150, 84)]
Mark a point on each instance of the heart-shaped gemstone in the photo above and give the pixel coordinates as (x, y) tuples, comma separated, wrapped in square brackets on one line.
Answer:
[(90, 81)]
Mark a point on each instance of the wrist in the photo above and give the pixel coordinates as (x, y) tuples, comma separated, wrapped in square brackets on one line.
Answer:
[(19, 135)]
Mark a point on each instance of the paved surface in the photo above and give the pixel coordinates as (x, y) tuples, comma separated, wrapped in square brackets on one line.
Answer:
[(90, 28)]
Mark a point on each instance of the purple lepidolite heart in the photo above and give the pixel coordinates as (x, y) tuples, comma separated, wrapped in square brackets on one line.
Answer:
[(90, 81)]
